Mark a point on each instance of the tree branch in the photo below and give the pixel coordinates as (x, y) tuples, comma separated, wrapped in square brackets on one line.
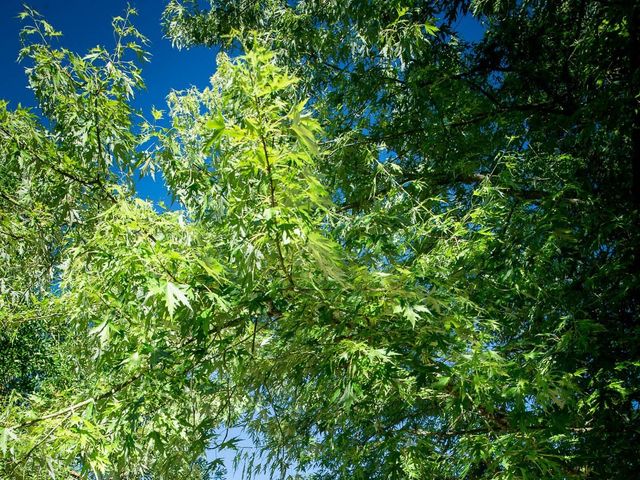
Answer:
[(463, 179), (71, 176), (75, 406)]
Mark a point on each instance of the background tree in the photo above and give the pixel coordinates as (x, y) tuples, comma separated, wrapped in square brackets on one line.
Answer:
[(529, 138)]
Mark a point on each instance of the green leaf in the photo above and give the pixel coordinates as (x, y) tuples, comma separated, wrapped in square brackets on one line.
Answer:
[(441, 383), (216, 122), (175, 296), (157, 114), (6, 435)]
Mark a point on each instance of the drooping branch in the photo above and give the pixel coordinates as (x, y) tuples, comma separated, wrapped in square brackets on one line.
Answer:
[(91, 183), (469, 179), (76, 406), (272, 188)]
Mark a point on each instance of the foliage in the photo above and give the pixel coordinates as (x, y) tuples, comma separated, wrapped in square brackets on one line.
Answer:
[(397, 254)]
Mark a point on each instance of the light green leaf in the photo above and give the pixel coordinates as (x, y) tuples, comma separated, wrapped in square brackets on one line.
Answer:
[(175, 296)]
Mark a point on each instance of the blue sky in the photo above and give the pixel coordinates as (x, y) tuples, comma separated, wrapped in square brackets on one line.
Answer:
[(86, 24)]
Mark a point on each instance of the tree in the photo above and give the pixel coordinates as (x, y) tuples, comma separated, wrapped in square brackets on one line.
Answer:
[(398, 254)]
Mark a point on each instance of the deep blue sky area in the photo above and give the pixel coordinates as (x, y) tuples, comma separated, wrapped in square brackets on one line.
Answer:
[(85, 24)]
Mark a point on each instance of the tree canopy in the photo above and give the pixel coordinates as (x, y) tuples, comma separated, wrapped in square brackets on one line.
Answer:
[(396, 253)]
